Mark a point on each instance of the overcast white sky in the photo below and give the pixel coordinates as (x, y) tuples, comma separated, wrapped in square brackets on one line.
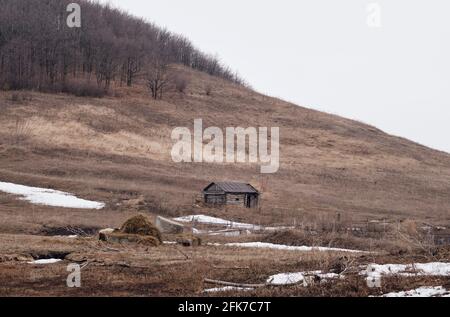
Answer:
[(322, 54)]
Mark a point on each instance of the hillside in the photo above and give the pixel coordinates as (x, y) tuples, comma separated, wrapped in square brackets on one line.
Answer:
[(87, 116), (118, 148)]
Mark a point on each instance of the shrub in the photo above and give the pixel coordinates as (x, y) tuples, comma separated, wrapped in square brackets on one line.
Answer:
[(20, 97), (208, 89), (83, 89), (181, 83), (15, 97)]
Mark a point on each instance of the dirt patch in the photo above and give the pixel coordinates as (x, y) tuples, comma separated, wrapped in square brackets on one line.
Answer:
[(15, 152), (292, 238), (339, 265), (15, 257), (69, 231), (44, 255)]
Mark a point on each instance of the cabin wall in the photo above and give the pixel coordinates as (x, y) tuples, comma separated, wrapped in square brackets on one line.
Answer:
[(215, 199), (244, 200), (252, 201), (235, 199), (442, 239)]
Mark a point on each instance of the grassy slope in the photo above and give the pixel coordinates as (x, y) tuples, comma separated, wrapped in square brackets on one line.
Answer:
[(118, 148)]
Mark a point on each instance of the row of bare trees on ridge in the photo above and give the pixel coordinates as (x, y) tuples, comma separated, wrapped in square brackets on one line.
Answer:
[(39, 51)]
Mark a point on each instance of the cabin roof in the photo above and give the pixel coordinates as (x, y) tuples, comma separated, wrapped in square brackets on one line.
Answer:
[(233, 187)]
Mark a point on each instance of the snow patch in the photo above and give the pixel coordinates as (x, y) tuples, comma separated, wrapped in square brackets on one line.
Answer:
[(295, 278), (286, 278), (217, 221), (264, 245), (438, 291), (415, 269), (208, 220), (49, 197), (226, 289), (45, 261), (228, 233), (225, 232), (67, 237)]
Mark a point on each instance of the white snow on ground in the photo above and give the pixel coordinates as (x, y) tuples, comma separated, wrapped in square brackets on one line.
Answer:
[(431, 269), (226, 289), (208, 220), (225, 232), (263, 245), (228, 233), (294, 278), (67, 237), (49, 197), (286, 278), (217, 221), (45, 261), (438, 291)]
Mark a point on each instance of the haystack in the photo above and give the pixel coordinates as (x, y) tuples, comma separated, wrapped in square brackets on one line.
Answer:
[(137, 230), (140, 225), (117, 237)]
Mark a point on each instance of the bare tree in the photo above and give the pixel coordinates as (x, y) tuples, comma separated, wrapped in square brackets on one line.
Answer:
[(37, 49), (158, 77)]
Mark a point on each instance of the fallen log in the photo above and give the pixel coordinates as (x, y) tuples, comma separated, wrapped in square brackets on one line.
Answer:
[(242, 285), (232, 267)]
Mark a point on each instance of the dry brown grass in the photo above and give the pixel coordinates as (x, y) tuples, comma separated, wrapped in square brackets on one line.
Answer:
[(117, 150), (170, 270), (123, 143)]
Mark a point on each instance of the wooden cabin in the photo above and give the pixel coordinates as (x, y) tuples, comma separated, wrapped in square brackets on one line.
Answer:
[(229, 193)]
